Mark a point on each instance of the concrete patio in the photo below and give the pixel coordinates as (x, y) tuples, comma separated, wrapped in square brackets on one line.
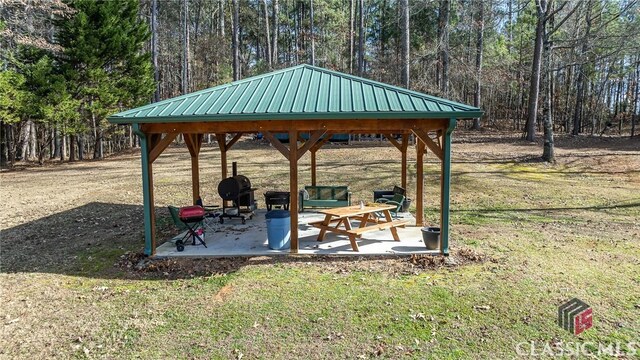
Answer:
[(234, 239)]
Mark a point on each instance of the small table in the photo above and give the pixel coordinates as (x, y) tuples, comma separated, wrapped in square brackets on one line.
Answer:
[(336, 217)]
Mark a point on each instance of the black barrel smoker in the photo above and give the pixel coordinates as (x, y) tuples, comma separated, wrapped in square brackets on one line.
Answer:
[(237, 190)]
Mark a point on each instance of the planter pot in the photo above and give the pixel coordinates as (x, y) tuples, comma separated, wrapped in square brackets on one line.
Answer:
[(406, 204), (431, 237)]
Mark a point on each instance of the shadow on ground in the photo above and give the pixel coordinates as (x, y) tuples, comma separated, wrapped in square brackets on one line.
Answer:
[(103, 240)]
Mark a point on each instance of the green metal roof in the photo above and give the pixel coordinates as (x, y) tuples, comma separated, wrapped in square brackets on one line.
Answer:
[(298, 93)]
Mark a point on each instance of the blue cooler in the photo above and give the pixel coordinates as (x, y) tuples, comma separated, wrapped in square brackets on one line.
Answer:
[(278, 229)]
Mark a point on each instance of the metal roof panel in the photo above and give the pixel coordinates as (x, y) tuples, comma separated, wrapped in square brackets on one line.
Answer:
[(298, 92)]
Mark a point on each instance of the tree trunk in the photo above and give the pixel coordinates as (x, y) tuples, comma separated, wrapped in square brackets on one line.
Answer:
[(351, 39), (634, 111), (548, 151), (404, 8), (479, 48), (72, 148), (56, 143), (5, 144), (268, 55), (23, 141), (443, 27), (33, 152), (234, 41), (41, 144), (275, 34), (581, 79), (154, 48), (312, 34), (534, 85), (81, 147), (221, 18), (360, 38), (185, 47), (63, 146)]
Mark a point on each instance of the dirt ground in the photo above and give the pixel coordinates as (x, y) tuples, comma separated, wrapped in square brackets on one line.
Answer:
[(64, 224)]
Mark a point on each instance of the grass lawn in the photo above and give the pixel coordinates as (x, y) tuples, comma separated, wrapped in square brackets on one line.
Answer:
[(70, 236)]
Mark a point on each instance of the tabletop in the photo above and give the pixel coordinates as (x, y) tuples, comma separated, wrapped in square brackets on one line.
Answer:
[(355, 210)]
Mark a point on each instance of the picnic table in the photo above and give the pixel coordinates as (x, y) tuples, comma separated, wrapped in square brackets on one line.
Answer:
[(338, 220)]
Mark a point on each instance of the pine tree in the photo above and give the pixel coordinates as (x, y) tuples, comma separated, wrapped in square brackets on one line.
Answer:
[(104, 61)]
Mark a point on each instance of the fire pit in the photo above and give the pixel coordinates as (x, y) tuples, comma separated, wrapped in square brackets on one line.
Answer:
[(280, 198)]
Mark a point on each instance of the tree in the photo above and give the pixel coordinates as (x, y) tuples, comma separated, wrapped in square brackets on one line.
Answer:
[(479, 47), (582, 80), (154, 48), (275, 34), (534, 84), (185, 46), (313, 44), (103, 61), (29, 23), (404, 8), (13, 100), (351, 37), (443, 30), (360, 38), (269, 55), (234, 42)]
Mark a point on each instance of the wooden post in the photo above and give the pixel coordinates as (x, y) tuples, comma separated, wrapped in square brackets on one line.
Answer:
[(314, 149), (420, 149), (313, 167), (293, 188), (194, 143), (195, 179), (222, 139), (404, 146)]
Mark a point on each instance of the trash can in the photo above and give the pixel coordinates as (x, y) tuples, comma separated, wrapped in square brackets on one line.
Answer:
[(431, 237), (278, 229)]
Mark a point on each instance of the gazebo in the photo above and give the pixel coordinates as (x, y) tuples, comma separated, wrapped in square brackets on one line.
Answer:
[(295, 100)]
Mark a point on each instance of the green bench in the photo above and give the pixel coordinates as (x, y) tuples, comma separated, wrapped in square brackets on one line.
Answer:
[(326, 197)]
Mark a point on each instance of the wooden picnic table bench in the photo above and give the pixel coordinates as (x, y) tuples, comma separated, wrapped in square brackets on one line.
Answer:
[(336, 217)]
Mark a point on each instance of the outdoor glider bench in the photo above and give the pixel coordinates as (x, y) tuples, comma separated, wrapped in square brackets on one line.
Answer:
[(325, 197)]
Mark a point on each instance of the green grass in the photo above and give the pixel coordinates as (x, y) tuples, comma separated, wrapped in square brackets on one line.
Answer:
[(552, 234)]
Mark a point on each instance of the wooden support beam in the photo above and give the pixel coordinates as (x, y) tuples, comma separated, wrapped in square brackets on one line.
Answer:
[(189, 139), (194, 143), (424, 136), (403, 148), (313, 168), (314, 149), (420, 148), (157, 150), (274, 126), (321, 142), (393, 141), (221, 138), (313, 139), (235, 139), (293, 189), (279, 145)]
